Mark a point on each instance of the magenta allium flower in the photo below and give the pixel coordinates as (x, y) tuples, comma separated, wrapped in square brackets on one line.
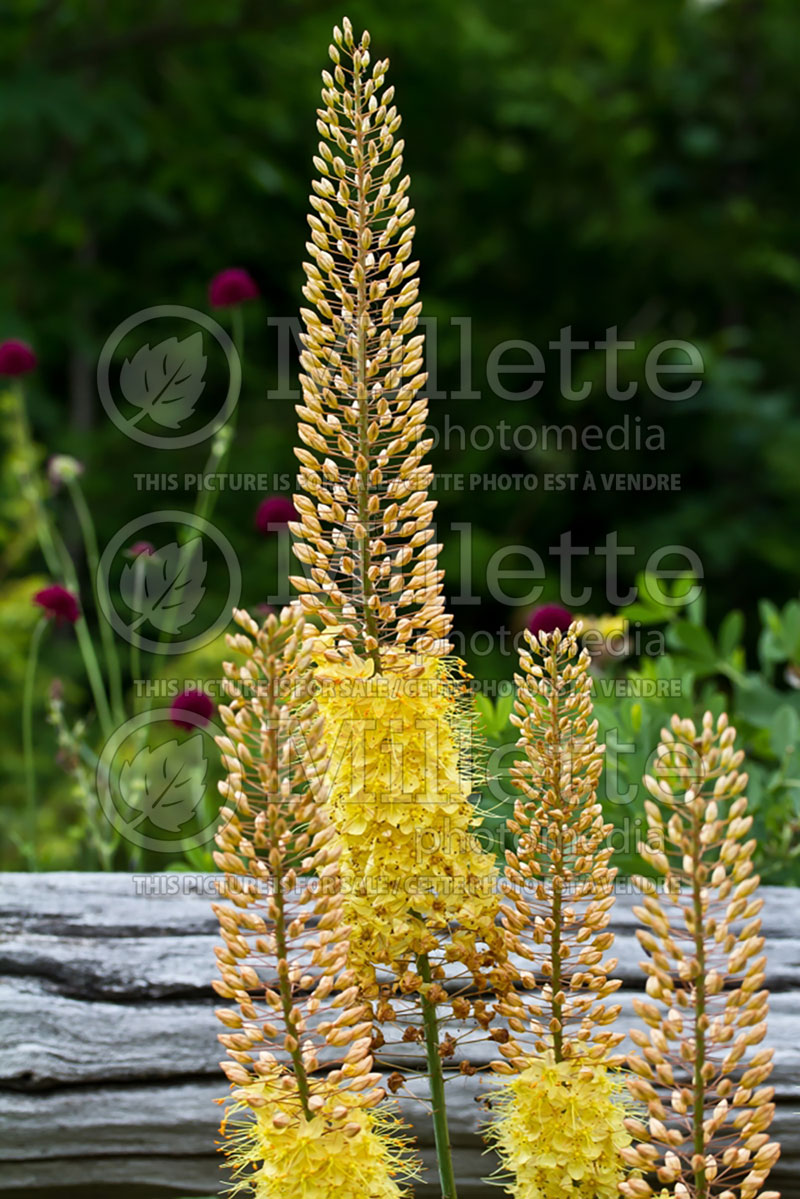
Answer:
[(232, 286), (274, 511), (58, 603), (196, 702), (138, 548), (548, 618), (16, 357)]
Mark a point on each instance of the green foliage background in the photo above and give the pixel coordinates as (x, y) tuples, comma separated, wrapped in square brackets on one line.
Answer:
[(592, 165)]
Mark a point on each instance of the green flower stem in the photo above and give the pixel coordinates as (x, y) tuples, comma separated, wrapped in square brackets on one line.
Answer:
[(29, 485), (85, 643), (61, 567), (110, 655), (223, 440), (441, 1131), (136, 640), (218, 456), (27, 742)]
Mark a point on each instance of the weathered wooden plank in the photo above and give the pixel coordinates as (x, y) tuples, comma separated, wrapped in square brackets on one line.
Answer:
[(170, 1124), (109, 1058), (72, 1042)]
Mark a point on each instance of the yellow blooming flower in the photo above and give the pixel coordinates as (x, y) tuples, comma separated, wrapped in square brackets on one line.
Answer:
[(559, 1130), (347, 1151), (399, 797)]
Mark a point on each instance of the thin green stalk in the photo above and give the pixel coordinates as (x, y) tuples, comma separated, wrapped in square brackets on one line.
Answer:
[(85, 643), (217, 458), (29, 483), (27, 742), (441, 1131), (139, 567), (107, 639), (61, 567)]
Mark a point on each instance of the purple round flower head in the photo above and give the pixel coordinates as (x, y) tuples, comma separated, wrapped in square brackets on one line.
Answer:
[(273, 511), (138, 548), (59, 604), (231, 287), (548, 618), (196, 702), (16, 357)]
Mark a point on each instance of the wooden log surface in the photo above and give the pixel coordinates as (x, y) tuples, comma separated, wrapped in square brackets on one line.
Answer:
[(109, 1055)]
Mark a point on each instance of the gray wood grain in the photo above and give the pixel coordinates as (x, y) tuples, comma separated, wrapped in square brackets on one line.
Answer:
[(109, 1056)]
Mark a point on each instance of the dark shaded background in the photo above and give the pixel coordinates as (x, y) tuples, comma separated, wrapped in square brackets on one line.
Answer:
[(573, 164)]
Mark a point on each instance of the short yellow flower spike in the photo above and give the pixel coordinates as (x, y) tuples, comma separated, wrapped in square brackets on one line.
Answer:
[(559, 881), (558, 1128), (399, 797), (346, 1151)]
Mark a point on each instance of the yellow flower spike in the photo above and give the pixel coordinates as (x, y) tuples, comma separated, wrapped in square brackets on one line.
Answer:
[(412, 863), (558, 1128)]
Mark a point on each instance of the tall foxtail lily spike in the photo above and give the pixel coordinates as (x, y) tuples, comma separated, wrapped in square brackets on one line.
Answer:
[(700, 1069), (307, 1116), (400, 786), (558, 1122), (395, 719), (365, 518)]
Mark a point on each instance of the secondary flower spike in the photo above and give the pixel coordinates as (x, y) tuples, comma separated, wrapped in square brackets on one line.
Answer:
[(559, 1122), (560, 886), (701, 1069), (307, 1117)]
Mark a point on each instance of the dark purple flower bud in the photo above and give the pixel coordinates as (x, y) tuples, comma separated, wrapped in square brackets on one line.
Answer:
[(196, 702), (231, 287), (58, 604), (16, 357), (274, 512), (548, 618)]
